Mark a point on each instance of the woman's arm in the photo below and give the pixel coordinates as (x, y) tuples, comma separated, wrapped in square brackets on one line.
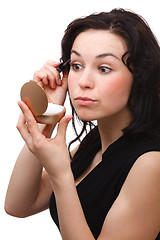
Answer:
[(29, 189), (54, 157), (71, 217), (135, 215)]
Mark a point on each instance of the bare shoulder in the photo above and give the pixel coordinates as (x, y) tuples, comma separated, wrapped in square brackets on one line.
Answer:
[(144, 177), (136, 212), (150, 161), (147, 168)]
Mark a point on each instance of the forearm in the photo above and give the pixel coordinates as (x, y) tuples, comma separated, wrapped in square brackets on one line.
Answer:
[(72, 221), (24, 183)]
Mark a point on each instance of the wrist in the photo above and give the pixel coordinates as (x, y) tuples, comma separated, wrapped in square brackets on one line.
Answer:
[(63, 181)]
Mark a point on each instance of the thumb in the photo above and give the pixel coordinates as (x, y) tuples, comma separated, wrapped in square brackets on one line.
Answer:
[(62, 127)]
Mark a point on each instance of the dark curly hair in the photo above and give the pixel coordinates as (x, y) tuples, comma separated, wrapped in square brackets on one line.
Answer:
[(142, 59)]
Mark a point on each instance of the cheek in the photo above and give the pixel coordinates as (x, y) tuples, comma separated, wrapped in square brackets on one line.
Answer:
[(117, 90), (121, 84)]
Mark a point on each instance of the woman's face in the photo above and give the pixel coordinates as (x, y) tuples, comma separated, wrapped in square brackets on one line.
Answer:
[(99, 83)]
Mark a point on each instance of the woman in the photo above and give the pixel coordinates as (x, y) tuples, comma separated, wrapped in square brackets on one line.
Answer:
[(109, 186)]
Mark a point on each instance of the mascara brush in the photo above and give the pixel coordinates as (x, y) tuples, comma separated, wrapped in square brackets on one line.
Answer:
[(62, 66)]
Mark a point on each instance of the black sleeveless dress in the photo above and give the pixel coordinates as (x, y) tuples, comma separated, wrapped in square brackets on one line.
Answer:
[(100, 188)]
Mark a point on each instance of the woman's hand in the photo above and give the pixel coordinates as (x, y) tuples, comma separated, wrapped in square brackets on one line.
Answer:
[(50, 80), (52, 153)]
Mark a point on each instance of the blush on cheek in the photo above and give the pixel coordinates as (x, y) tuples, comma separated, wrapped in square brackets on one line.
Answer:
[(117, 92), (120, 85)]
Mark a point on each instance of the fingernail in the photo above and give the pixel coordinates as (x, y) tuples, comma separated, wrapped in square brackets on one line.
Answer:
[(54, 85), (69, 118), (19, 103), (59, 81), (45, 81)]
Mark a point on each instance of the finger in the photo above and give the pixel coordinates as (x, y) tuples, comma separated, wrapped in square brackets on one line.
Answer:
[(53, 75), (50, 76), (40, 76), (22, 127), (29, 118), (62, 127), (52, 63)]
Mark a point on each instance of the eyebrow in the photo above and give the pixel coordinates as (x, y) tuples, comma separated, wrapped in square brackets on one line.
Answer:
[(75, 52), (107, 55), (98, 56)]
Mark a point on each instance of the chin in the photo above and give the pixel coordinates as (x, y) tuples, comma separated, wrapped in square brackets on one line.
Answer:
[(87, 118), (86, 115)]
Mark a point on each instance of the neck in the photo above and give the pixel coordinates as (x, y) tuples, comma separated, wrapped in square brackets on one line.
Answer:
[(110, 128)]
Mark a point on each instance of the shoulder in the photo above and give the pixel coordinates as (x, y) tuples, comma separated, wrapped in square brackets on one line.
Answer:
[(144, 176), (144, 150), (148, 159), (148, 164), (136, 212), (143, 144), (143, 181)]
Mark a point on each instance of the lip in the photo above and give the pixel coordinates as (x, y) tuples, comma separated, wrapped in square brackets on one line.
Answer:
[(85, 101)]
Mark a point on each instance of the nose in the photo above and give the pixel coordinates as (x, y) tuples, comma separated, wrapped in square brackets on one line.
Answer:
[(86, 80)]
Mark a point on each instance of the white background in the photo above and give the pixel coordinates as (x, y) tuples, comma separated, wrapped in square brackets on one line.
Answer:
[(30, 34)]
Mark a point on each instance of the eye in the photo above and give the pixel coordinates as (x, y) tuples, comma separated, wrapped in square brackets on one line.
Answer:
[(76, 66), (104, 69)]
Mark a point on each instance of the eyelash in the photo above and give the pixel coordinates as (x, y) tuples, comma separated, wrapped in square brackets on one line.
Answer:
[(104, 67), (101, 68), (74, 65)]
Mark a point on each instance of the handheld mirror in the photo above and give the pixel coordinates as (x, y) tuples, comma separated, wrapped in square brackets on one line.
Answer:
[(35, 98)]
